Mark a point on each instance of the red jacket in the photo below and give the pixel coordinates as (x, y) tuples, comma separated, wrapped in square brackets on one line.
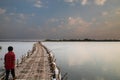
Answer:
[(9, 60)]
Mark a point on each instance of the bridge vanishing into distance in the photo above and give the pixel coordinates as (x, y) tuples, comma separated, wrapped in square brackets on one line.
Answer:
[(37, 64)]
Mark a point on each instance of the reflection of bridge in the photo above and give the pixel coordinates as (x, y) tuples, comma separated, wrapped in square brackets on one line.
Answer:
[(36, 65)]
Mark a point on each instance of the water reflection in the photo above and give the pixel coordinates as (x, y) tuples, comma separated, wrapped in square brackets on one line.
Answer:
[(81, 60), (88, 61)]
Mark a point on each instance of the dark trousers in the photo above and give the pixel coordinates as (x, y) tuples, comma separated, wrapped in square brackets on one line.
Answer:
[(12, 72)]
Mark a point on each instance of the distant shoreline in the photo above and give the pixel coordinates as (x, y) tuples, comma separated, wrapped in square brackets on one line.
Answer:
[(64, 40), (84, 40), (19, 40)]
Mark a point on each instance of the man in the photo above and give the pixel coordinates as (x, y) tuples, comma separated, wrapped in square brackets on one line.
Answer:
[(10, 63)]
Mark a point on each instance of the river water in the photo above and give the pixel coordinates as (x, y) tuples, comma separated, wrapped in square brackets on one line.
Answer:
[(81, 60)]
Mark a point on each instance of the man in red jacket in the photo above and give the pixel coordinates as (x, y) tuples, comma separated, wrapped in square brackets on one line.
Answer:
[(10, 63)]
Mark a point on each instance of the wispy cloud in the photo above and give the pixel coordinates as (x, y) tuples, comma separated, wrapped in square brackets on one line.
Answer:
[(118, 11), (53, 20), (100, 2), (38, 4), (77, 21), (11, 14), (69, 1), (2, 11), (18, 17), (33, 14), (104, 13), (58, 17), (21, 16), (84, 2)]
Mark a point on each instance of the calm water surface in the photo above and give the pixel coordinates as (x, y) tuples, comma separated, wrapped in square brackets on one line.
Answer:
[(88, 60), (81, 60)]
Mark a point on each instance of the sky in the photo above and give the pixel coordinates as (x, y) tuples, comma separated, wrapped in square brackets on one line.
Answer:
[(59, 19)]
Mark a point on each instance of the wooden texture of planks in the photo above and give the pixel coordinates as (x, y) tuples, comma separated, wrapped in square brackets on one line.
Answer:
[(36, 66)]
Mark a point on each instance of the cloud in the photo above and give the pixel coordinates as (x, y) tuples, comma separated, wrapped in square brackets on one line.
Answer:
[(71, 21), (68, 28), (77, 22), (108, 24), (75, 26), (118, 11), (2, 11), (69, 1), (104, 13), (84, 2), (94, 19), (100, 2), (53, 20), (38, 4), (33, 14), (22, 16), (11, 14)]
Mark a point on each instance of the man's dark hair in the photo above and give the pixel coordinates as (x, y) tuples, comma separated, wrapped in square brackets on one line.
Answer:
[(10, 48)]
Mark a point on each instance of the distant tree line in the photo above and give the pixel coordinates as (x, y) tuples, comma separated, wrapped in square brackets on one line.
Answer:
[(73, 40), (86, 39)]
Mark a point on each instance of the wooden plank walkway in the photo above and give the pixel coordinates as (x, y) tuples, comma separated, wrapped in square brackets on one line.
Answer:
[(36, 66)]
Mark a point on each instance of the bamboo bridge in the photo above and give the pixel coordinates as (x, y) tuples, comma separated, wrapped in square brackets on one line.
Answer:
[(37, 64)]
